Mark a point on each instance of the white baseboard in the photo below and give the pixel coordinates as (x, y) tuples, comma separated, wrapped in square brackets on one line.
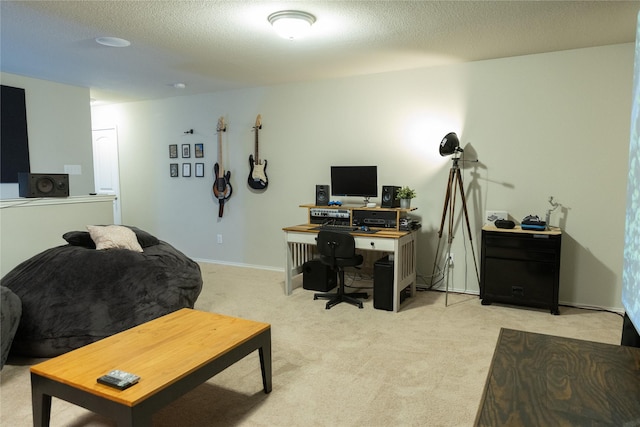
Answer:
[(237, 264), (618, 310)]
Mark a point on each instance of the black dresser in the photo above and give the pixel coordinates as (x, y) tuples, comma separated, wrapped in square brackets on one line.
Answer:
[(520, 267)]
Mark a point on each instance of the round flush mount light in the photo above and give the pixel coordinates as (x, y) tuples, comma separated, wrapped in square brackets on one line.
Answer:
[(113, 41), (291, 24), (179, 85)]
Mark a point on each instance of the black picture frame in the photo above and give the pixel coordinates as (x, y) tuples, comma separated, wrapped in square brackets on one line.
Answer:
[(186, 151), (199, 150), (186, 169), (173, 151), (199, 170), (173, 169)]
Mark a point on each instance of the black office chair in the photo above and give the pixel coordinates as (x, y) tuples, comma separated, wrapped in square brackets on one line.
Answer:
[(338, 250)]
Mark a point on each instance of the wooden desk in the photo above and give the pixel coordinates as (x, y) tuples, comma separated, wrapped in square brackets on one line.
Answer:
[(301, 243), (172, 355), (544, 380)]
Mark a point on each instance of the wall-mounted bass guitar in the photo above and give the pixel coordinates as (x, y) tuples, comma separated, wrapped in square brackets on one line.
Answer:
[(258, 175), (222, 186)]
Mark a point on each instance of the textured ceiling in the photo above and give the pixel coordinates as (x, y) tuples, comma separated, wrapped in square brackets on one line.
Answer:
[(220, 45)]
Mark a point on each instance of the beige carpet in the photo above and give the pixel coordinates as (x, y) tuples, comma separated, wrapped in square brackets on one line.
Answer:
[(423, 366)]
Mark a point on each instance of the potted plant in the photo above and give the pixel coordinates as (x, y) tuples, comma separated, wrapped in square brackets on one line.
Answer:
[(405, 194)]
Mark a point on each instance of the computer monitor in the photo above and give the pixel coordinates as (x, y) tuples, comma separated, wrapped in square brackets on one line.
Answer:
[(354, 181)]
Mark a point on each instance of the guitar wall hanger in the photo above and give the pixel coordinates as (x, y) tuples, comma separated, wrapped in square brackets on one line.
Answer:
[(189, 131)]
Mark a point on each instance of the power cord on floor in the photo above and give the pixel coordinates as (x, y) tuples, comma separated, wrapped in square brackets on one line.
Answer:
[(357, 276), (592, 308), (430, 282)]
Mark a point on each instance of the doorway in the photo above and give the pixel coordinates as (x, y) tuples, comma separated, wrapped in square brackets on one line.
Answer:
[(106, 170)]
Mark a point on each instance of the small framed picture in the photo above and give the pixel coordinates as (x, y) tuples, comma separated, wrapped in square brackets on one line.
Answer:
[(173, 151), (199, 148), (199, 170), (173, 169), (186, 151), (186, 169)]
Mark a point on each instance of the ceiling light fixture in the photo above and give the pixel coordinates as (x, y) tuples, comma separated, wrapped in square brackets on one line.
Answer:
[(291, 24), (113, 41)]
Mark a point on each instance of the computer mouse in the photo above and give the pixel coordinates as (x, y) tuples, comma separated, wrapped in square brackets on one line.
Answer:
[(364, 228)]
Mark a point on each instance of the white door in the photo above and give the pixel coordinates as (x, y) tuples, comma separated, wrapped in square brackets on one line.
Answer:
[(106, 172)]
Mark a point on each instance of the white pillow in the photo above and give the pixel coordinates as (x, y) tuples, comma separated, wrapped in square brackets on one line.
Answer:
[(114, 237)]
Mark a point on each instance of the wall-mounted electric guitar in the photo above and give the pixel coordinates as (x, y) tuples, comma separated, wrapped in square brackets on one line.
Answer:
[(258, 175), (222, 186)]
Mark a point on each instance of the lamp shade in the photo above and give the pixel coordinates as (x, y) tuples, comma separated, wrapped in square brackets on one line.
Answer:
[(449, 144)]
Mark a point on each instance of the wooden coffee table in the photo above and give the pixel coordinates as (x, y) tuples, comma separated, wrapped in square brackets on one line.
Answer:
[(172, 355)]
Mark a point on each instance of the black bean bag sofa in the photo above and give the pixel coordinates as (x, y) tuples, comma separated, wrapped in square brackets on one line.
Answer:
[(10, 312), (74, 294)]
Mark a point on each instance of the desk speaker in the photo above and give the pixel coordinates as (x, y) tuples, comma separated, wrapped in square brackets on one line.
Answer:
[(322, 195), (389, 193), (43, 184)]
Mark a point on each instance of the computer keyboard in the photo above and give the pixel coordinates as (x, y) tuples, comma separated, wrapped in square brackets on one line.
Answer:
[(333, 227), (343, 228)]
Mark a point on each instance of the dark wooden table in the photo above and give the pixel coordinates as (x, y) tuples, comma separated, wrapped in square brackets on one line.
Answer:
[(544, 380)]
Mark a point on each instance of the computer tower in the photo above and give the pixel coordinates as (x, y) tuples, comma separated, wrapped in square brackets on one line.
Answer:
[(383, 284), (317, 276)]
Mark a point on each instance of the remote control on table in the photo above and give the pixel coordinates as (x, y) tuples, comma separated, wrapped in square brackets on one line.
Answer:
[(119, 379)]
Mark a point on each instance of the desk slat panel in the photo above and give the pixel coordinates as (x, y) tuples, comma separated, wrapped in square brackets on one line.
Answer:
[(301, 253), (408, 258)]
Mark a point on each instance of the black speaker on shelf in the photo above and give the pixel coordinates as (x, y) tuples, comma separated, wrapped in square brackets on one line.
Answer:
[(322, 195), (389, 193), (317, 276), (43, 184)]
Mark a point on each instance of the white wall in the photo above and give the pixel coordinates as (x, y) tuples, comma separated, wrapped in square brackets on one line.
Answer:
[(543, 125), (30, 226), (59, 131)]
